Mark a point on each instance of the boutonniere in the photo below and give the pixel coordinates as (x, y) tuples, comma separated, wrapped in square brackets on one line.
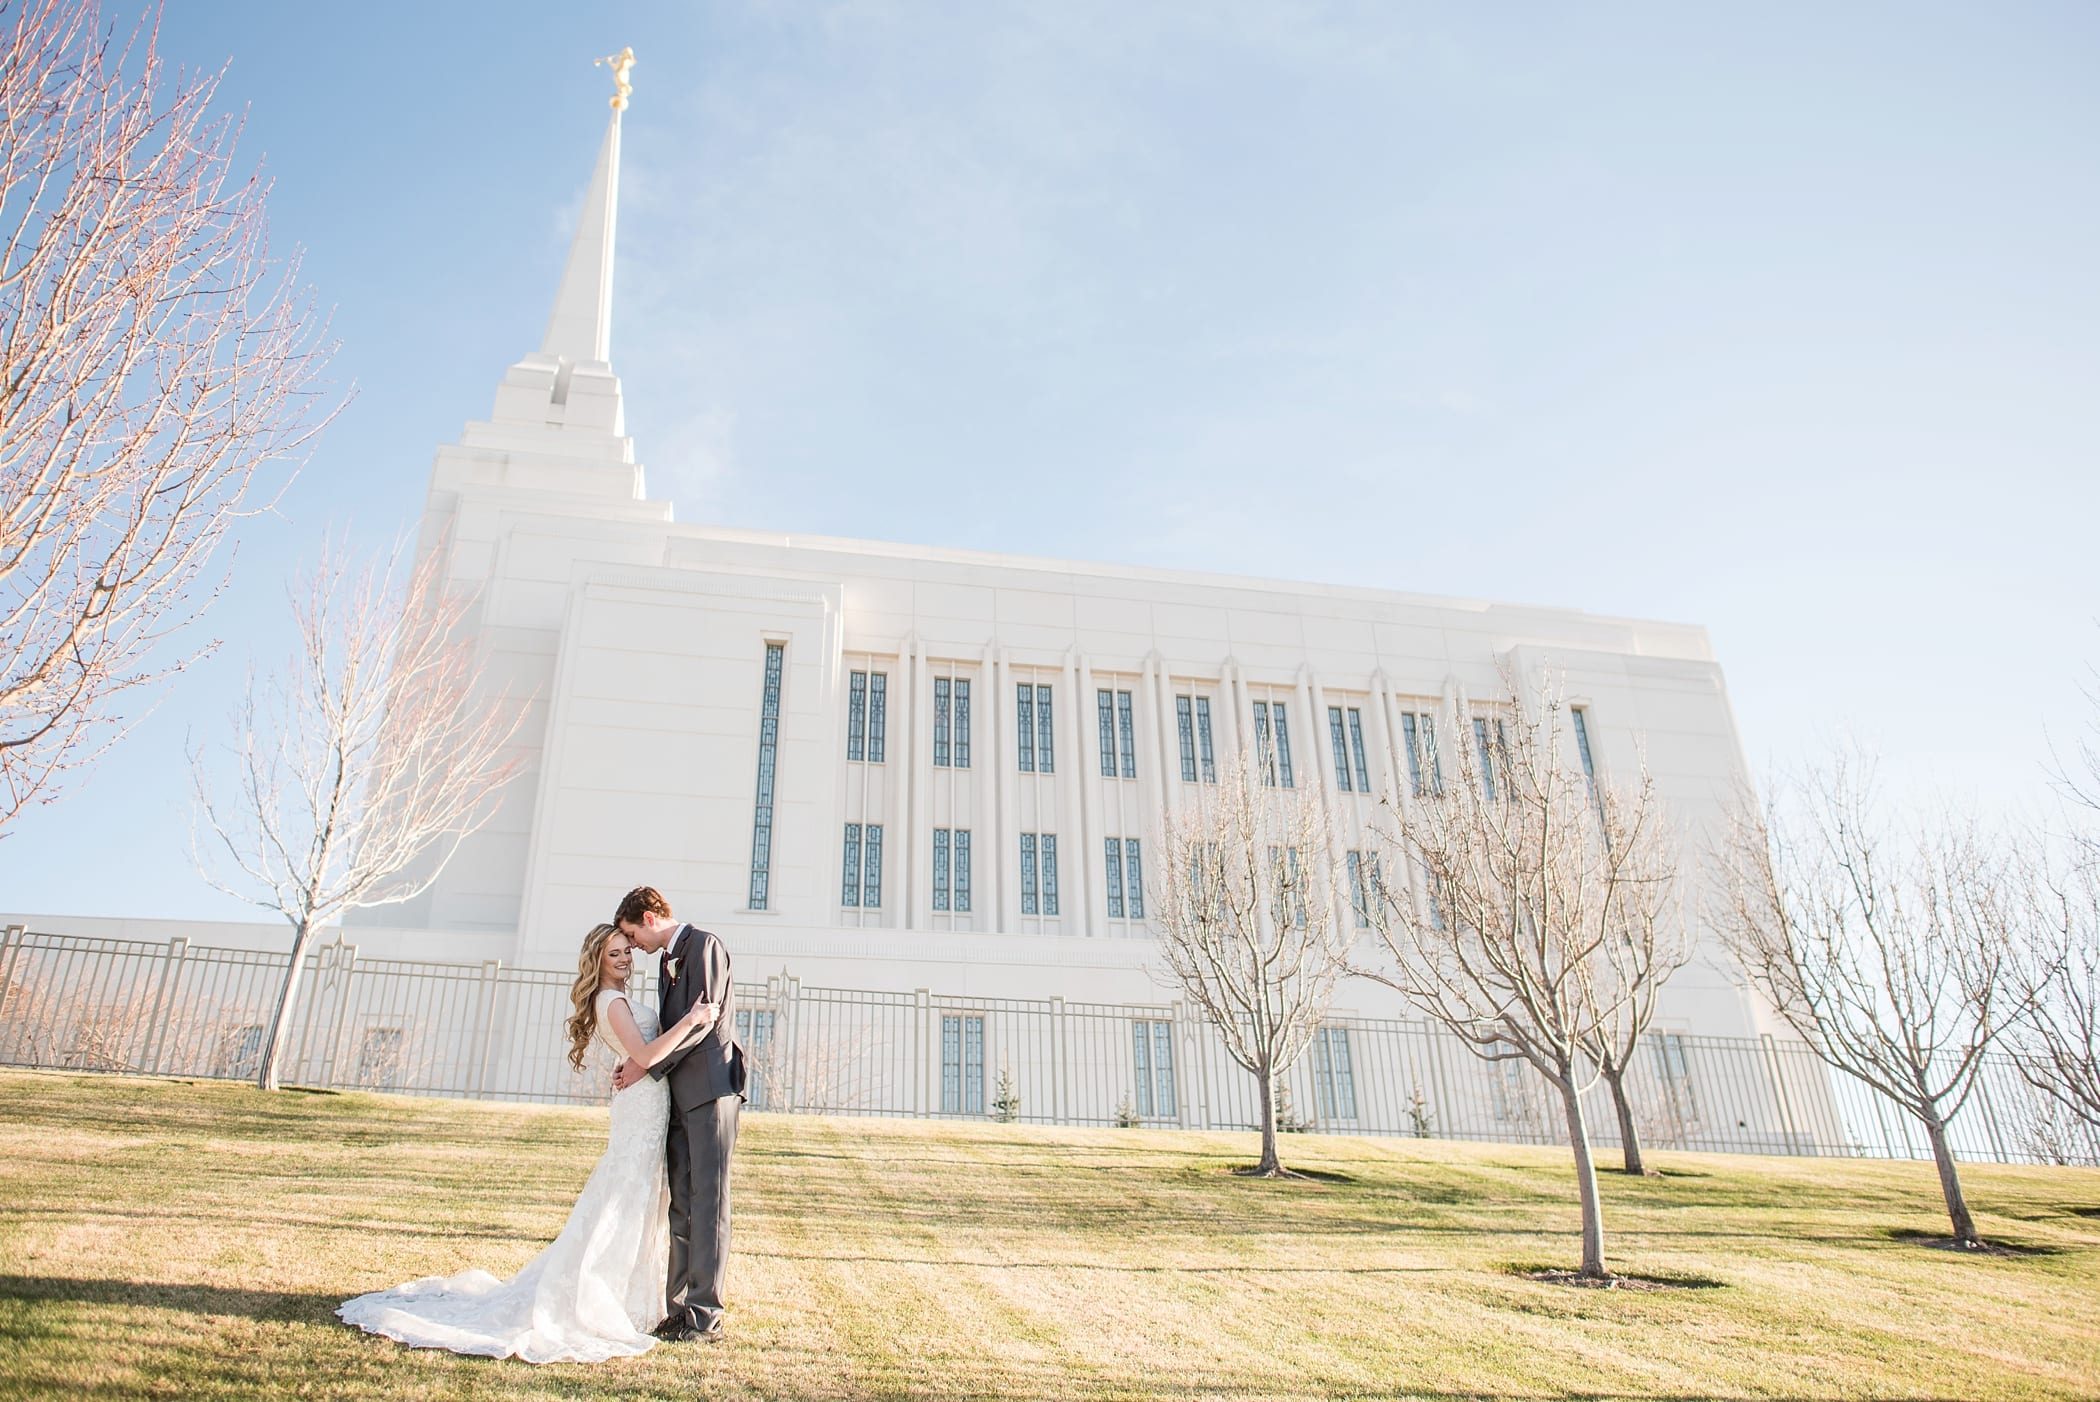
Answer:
[(671, 964)]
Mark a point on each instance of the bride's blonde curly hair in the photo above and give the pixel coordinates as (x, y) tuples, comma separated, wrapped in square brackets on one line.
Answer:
[(583, 994)]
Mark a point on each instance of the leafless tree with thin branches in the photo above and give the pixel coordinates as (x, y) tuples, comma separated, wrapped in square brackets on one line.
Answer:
[(153, 364), (1893, 953), (1653, 943), (2057, 1044), (1246, 922), (1536, 893), (358, 771)]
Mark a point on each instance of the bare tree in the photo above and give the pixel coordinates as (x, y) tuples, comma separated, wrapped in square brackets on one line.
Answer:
[(152, 362), (1892, 954), (1651, 945), (360, 770), (2057, 1044), (1246, 922), (1536, 892)]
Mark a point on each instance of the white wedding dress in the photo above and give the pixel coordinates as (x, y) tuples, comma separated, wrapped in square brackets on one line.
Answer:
[(596, 1290)]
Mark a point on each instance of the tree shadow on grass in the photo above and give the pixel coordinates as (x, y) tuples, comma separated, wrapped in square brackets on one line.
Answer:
[(1941, 1241), (282, 1305)]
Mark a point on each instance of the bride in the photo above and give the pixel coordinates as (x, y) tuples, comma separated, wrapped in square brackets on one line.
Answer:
[(594, 1292)]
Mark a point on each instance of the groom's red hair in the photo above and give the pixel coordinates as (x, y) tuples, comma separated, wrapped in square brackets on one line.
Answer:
[(642, 900)]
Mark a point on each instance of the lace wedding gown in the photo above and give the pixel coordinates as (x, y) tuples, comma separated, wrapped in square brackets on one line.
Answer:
[(589, 1296)]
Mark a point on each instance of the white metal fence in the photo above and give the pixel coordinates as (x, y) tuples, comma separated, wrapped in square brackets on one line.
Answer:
[(489, 1031)]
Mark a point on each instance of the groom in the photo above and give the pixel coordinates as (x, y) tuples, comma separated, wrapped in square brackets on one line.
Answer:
[(706, 1077)]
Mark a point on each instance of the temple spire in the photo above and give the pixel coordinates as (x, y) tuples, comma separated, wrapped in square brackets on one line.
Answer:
[(580, 329)]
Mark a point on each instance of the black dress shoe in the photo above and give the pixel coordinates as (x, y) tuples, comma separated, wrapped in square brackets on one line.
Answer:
[(670, 1326)]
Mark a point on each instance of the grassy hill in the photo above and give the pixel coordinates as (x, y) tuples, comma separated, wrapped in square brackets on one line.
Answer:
[(164, 1239)]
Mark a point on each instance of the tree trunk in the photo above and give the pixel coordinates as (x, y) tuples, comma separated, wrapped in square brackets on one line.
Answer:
[(1950, 1185), (1585, 1181), (1269, 1166), (281, 1020), (1629, 1133)]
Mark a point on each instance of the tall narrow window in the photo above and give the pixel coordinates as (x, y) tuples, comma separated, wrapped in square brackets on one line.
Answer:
[(849, 881), (860, 881), (951, 723), (1152, 1061), (1286, 879), (1283, 745), (1141, 1066), (1334, 1078), (962, 1065), (754, 1031), (1488, 737), (1049, 873), (1676, 1069), (951, 869), (1185, 730), (871, 866), (943, 688), (1106, 703), (1338, 740), (1029, 884), (1203, 745), (1356, 737), (1045, 750), (1134, 878), (1264, 744), (1425, 769), (1582, 742), (768, 756), (940, 868), (1032, 728), (1113, 857), (1024, 725), (878, 710), (1272, 742), (1347, 739), (857, 716), (1366, 889), (1126, 734)]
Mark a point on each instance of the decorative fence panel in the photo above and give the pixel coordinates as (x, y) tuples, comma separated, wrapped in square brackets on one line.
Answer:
[(488, 1031)]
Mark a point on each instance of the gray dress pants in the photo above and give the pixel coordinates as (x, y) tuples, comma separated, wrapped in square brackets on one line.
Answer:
[(697, 1155)]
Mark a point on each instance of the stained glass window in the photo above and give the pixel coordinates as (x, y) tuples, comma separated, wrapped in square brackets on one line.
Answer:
[(768, 757)]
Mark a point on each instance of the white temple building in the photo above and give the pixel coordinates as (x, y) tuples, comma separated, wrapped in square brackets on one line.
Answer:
[(892, 767)]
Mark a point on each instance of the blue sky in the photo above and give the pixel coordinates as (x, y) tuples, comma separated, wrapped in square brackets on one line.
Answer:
[(1785, 322)]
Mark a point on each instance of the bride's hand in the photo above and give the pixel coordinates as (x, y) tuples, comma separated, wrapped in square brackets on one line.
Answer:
[(701, 1015)]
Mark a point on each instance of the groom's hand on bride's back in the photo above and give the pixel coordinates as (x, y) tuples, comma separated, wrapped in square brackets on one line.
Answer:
[(627, 1073)]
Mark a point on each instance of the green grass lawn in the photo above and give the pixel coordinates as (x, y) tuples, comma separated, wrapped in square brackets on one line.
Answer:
[(164, 1239)]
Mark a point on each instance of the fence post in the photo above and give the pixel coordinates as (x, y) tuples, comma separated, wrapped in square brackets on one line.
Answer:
[(156, 1039), (922, 1015), (790, 1012), (491, 975), (1786, 1114), (1059, 1082), (1178, 1012), (12, 941)]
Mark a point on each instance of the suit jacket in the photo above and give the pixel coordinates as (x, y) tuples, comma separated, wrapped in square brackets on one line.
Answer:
[(709, 1064)]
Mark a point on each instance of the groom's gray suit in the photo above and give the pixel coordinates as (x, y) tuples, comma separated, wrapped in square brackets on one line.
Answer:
[(706, 1076)]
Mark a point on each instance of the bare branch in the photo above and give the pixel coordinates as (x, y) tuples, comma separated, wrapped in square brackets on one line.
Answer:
[(1246, 920), (359, 770), (1528, 913), (1892, 953), (152, 362)]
